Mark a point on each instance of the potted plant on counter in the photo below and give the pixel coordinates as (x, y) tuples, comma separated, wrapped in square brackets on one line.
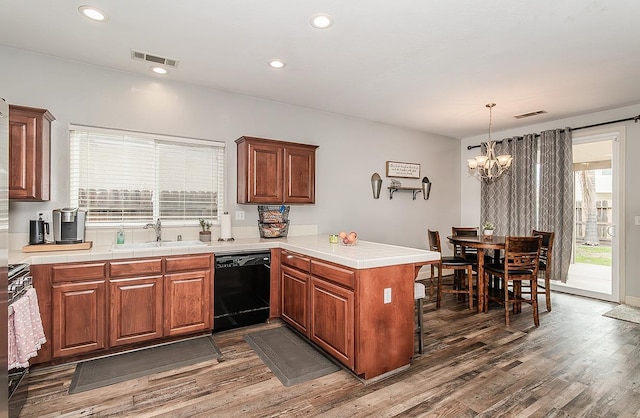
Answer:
[(487, 229), (205, 234)]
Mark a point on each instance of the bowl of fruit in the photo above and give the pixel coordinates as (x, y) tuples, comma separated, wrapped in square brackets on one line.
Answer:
[(349, 239)]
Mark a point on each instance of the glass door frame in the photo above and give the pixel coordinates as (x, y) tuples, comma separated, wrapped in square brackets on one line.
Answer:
[(617, 135)]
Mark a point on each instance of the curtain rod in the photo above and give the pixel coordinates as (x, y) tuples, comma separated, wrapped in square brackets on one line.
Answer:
[(634, 118)]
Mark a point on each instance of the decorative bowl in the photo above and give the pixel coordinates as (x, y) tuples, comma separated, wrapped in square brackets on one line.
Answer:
[(348, 244)]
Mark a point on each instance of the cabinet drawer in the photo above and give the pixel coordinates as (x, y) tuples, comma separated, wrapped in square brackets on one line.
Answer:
[(295, 260), (189, 262), (78, 272), (336, 274), (135, 268)]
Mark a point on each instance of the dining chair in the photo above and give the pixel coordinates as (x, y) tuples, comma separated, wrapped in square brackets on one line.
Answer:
[(521, 263), (544, 267), (464, 231), (455, 263), (469, 253)]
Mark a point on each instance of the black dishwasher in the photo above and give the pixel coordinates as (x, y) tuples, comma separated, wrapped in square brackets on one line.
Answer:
[(241, 290)]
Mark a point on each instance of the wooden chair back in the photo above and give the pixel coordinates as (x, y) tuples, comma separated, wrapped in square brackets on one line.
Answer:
[(463, 231), (434, 240), (522, 255), (546, 248)]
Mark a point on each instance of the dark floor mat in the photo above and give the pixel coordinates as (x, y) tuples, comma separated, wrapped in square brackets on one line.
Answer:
[(106, 371), (290, 357)]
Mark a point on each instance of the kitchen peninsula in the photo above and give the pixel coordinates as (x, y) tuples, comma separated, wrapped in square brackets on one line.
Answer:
[(355, 302)]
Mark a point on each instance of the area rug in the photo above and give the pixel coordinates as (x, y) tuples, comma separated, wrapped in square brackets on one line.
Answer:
[(625, 313), (106, 371), (290, 358)]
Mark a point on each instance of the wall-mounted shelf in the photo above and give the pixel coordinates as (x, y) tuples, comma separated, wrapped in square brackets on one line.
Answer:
[(414, 190)]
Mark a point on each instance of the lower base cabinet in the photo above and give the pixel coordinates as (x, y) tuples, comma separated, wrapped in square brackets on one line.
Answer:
[(295, 298), (79, 318), (344, 311), (136, 309), (187, 298), (89, 307), (332, 320)]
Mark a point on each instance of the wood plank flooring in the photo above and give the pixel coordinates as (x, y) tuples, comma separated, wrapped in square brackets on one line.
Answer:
[(576, 364)]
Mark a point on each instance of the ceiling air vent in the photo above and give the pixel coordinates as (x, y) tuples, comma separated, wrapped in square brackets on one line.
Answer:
[(143, 56), (528, 115)]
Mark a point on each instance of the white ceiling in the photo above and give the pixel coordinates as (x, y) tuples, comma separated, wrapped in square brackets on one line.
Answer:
[(423, 64)]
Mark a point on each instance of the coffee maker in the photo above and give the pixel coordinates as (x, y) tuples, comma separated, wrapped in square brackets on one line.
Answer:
[(68, 225)]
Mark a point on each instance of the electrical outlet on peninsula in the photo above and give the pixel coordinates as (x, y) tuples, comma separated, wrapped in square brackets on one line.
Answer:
[(387, 295)]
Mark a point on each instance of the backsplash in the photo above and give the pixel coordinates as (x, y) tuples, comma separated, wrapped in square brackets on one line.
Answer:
[(107, 236)]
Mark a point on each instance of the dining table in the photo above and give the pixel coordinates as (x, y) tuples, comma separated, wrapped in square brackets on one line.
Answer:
[(481, 243)]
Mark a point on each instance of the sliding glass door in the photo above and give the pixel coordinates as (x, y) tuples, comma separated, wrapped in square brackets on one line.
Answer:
[(594, 269)]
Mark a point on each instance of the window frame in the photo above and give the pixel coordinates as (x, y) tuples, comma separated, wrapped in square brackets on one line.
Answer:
[(218, 146)]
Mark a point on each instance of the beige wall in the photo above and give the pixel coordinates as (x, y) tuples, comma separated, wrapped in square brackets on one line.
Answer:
[(351, 149)]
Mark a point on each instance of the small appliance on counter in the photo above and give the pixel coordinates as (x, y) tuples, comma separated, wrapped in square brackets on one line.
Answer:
[(37, 231), (68, 225)]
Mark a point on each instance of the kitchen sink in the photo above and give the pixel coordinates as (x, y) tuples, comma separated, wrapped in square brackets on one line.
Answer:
[(156, 244)]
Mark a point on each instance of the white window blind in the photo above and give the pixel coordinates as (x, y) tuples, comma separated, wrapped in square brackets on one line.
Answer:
[(132, 178)]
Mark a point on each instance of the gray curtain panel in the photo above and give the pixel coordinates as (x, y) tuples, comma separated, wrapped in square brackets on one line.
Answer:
[(510, 201), (516, 203), (557, 197)]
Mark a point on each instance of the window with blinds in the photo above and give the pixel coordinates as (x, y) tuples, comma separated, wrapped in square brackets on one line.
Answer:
[(132, 178)]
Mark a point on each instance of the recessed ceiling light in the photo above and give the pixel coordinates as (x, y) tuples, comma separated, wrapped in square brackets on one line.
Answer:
[(277, 64), (321, 21), (93, 13), (159, 70)]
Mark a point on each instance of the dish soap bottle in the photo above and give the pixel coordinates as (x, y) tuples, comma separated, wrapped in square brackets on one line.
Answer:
[(120, 235)]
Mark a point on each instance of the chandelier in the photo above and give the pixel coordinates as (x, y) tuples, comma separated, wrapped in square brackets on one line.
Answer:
[(488, 166)]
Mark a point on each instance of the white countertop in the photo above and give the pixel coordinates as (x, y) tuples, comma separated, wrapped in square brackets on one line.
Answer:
[(365, 254)]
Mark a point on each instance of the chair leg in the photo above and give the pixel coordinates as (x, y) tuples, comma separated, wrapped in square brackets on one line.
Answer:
[(534, 303), (470, 286), (547, 289), (420, 327), (506, 302), (517, 294), (439, 297)]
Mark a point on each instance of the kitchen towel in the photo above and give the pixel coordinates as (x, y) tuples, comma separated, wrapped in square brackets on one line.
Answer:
[(26, 334), (225, 226)]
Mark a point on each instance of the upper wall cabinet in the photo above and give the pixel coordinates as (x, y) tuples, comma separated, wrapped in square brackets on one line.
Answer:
[(29, 153), (272, 172)]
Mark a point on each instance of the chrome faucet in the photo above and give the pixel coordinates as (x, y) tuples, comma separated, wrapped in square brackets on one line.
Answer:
[(156, 227)]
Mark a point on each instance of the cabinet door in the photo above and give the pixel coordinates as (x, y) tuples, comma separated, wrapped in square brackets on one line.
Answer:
[(79, 317), (187, 302), (135, 310), (300, 172), (332, 320), (29, 153), (295, 298), (265, 173)]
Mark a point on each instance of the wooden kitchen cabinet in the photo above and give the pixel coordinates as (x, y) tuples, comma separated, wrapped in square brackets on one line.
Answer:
[(29, 153), (295, 298), (78, 307), (79, 317), (345, 312), (188, 294), (135, 301), (294, 288), (89, 307), (332, 319), (274, 172)]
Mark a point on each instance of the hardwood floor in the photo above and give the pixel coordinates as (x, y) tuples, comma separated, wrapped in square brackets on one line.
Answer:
[(577, 363)]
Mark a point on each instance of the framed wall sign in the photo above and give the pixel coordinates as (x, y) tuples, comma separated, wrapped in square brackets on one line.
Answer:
[(404, 170)]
